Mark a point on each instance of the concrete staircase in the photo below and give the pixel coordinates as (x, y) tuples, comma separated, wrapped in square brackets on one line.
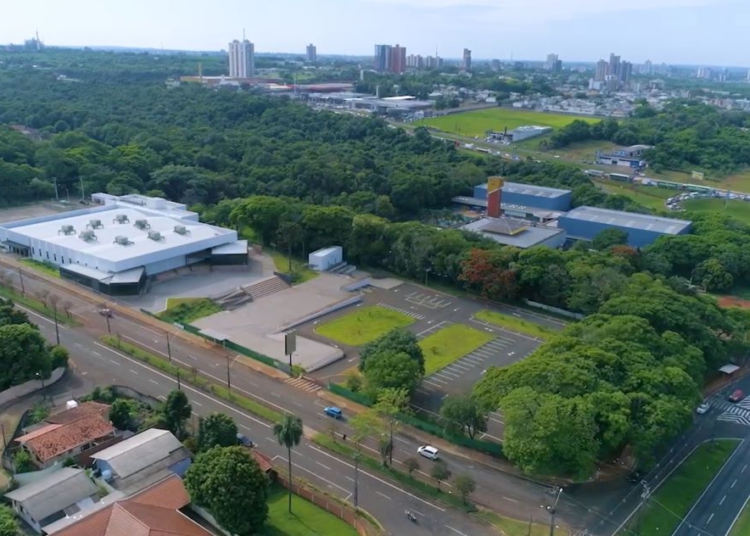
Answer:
[(266, 287)]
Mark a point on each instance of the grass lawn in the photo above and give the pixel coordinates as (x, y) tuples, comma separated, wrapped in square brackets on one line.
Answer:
[(682, 489), (514, 324), (188, 310), (306, 519), (300, 272), (647, 196), (738, 181), (742, 525), (734, 207), (477, 122), (363, 325), (43, 267), (449, 344)]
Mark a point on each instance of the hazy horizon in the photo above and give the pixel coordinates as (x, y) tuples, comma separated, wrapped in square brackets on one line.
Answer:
[(688, 32)]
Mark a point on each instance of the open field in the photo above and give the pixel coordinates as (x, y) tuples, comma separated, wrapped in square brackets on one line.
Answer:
[(449, 344), (188, 310), (477, 122), (363, 325), (734, 207), (306, 519), (648, 196), (678, 494), (514, 324)]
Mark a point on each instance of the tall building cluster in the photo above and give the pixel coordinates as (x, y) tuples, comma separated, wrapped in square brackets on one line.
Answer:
[(241, 59), (390, 59), (553, 63), (611, 75)]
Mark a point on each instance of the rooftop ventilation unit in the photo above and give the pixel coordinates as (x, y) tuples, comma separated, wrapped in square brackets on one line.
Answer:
[(122, 240), (121, 218), (95, 224), (142, 224), (88, 236), (155, 236), (181, 229), (67, 230)]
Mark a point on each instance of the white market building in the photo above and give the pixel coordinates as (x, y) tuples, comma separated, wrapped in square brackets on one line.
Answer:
[(114, 246)]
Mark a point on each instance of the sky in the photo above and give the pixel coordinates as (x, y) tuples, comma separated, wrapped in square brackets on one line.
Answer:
[(694, 32)]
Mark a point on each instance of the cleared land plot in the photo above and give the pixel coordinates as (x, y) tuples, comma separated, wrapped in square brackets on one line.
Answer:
[(188, 310), (678, 494), (734, 208), (363, 325), (477, 122), (449, 344), (306, 519), (648, 196), (514, 324)]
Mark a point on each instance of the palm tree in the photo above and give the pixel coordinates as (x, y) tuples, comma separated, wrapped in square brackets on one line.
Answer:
[(289, 433)]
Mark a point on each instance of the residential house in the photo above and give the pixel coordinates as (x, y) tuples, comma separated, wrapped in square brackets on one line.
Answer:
[(155, 511), (69, 433), (64, 493), (141, 460)]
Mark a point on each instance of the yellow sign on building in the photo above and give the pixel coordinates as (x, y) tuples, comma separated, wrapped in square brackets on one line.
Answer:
[(494, 183)]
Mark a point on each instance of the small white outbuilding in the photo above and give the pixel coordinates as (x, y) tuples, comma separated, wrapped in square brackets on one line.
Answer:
[(326, 258)]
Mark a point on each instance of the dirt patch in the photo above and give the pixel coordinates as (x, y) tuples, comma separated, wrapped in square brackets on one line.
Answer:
[(732, 301)]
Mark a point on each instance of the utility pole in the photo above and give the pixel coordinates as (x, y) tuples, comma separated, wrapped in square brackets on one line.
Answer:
[(356, 480), (645, 494), (179, 386), (552, 512), (83, 193), (20, 275), (169, 347), (229, 381), (57, 327), (290, 346), (57, 195)]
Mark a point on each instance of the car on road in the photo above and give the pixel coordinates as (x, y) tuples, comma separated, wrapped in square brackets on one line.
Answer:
[(245, 441), (334, 412), (736, 396), (635, 477), (703, 408), (428, 452), (106, 312)]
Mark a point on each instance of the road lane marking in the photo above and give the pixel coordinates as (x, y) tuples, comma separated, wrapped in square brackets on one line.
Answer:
[(316, 475), (733, 483), (722, 500), (709, 519), (134, 371), (456, 530), (384, 495), (377, 479), (96, 353), (743, 469), (417, 512), (153, 381), (185, 386), (323, 466), (196, 403), (509, 499), (114, 362)]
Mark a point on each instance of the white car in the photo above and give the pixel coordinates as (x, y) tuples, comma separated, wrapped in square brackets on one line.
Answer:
[(428, 452), (703, 408)]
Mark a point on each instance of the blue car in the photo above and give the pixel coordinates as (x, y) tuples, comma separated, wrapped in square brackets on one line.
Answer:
[(245, 441), (334, 412)]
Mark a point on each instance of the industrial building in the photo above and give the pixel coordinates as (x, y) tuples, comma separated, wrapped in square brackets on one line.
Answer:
[(584, 223), (510, 232), (631, 157), (393, 106), (326, 258), (115, 246), (518, 134), (527, 195)]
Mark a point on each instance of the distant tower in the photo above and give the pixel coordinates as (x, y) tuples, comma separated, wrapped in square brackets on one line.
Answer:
[(466, 64), (494, 196), (241, 58), (312, 53)]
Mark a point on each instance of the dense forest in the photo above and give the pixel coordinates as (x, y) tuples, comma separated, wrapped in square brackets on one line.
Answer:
[(686, 135)]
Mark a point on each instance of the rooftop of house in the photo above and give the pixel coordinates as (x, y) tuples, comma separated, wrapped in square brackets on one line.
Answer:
[(67, 430), (54, 493), (138, 452)]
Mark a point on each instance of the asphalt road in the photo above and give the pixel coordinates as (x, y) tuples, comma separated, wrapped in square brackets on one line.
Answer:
[(96, 364), (506, 493)]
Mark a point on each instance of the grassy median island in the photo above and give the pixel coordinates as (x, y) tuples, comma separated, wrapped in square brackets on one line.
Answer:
[(512, 323), (450, 344), (188, 310), (678, 494), (305, 519), (363, 325), (742, 525)]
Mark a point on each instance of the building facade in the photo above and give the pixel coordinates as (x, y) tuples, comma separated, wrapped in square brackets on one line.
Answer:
[(241, 59), (466, 62), (527, 195), (398, 59), (312, 53), (382, 59)]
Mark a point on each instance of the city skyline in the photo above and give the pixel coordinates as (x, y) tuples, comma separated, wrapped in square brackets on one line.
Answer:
[(578, 31)]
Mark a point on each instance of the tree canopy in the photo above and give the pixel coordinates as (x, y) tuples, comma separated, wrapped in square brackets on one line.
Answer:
[(216, 430)]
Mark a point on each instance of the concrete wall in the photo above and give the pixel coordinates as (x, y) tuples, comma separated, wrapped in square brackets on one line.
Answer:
[(29, 387)]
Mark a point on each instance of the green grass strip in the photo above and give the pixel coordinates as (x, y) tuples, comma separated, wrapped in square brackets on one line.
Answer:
[(404, 478), (306, 518), (188, 310), (742, 525), (513, 527), (43, 267), (363, 325), (196, 380), (37, 306), (512, 323), (450, 344), (677, 495)]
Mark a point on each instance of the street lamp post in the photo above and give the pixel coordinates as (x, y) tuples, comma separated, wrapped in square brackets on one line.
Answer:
[(169, 347), (20, 275), (229, 381), (39, 375), (179, 385), (57, 327), (552, 512), (356, 480)]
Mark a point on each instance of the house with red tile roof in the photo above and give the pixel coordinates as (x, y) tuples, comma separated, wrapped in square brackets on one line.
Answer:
[(68, 434)]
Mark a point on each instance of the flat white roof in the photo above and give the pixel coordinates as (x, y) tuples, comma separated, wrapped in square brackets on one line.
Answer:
[(138, 452), (105, 247), (235, 248), (325, 251), (631, 220)]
